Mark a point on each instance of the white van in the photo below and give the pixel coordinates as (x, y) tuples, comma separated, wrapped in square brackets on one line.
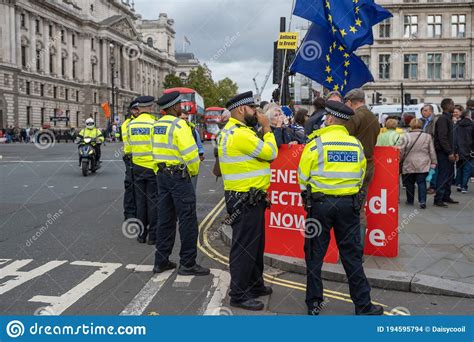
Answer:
[(410, 111)]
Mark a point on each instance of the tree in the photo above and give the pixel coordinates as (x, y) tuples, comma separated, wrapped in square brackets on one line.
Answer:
[(172, 81), (226, 89)]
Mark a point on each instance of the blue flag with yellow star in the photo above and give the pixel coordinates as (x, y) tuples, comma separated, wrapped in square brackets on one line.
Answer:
[(323, 59), (351, 21)]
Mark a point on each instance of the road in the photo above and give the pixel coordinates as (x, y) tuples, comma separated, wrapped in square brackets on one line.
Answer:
[(63, 249)]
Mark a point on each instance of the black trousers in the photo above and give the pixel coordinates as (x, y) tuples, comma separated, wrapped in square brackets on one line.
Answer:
[(444, 178), (145, 190), (248, 244), (342, 215), (176, 200), (129, 205), (409, 181)]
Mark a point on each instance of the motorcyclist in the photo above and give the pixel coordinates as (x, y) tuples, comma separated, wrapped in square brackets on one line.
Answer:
[(95, 134)]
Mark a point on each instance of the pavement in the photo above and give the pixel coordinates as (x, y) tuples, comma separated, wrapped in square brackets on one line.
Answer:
[(436, 252), (64, 250)]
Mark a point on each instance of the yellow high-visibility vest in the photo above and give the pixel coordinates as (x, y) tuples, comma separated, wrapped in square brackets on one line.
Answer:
[(127, 149), (174, 144), (94, 133), (140, 140), (333, 162), (245, 159)]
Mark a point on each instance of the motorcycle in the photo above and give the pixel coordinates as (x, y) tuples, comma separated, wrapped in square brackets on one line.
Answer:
[(87, 156)]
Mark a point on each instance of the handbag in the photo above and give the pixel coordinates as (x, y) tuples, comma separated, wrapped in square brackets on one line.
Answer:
[(405, 155)]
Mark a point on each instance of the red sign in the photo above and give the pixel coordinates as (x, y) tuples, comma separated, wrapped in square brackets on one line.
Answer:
[(285, 221)]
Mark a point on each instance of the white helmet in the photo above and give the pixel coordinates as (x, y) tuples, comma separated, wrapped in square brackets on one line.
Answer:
[(90, 123)]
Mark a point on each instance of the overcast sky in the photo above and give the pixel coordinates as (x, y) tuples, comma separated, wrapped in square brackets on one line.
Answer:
[(234, 37)]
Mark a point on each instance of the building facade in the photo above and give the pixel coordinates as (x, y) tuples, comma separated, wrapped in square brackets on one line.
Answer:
[(57, 58), (428, 46)]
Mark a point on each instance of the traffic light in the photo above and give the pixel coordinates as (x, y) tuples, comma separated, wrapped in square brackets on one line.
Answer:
[(407, 98), (378, 98), (277, 64)]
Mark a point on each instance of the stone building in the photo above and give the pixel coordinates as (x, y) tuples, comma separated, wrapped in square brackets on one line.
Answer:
[(429, 46), (57, 56)]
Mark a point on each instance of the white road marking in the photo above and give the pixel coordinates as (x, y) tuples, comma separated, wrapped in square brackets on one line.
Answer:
[(182, 281), (218, 290), (76, 187), (104, 188), (58, 304), (141, 301), (139, 268), (50, 186), (4, 261), (12, 270)]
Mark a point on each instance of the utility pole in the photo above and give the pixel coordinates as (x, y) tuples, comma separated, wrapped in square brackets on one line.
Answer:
[(403, 98), (284, 85)]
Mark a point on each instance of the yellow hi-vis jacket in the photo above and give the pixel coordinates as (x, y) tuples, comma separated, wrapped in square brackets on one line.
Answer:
[(244, 158), (140, 140), (127, 149), (333, 162), (94, 133), (174, 144)]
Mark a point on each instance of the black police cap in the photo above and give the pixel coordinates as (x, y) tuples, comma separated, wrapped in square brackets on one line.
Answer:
[(244, 99), (145, 101), (169, 100), (133, 104), (339, 110)]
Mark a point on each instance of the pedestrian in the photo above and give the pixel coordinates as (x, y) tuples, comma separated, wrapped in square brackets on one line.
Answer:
[(334, 96), (365, 127), (458, 110), (140, 136), (418, 156), (444, 146), (332, 169), (429, 122), (463, 140), (390, 137), (282, 133), (129, 202), (470, 107), (316, 120), (176, 154), (300, 118), (245, 165), (197, 140)]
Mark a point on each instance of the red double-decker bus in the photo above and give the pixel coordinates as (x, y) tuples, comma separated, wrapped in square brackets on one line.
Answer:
[(212, 118), (192, 102)]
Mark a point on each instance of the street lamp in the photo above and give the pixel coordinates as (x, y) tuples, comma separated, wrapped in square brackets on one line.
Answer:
[(112, 67)]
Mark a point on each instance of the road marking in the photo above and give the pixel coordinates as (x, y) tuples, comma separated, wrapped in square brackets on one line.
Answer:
[(141, 301), (182, 281), (4, 261), (139, 268), (220, 285), (58, 304), (75, 187), (20, 278)]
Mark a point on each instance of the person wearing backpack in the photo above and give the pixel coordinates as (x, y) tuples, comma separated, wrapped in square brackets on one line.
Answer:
[(418, 156)]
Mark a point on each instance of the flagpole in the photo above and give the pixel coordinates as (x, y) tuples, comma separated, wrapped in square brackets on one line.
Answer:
[(286, 53)]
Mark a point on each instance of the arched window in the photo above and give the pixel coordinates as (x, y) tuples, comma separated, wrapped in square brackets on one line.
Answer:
[(149, 42)]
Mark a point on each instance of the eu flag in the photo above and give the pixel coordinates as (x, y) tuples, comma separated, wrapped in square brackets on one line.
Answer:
[(323, 59), (351, 21)]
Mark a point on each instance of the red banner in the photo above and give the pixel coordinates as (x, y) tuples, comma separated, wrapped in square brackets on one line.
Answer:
[(106, 108), (285, 221)]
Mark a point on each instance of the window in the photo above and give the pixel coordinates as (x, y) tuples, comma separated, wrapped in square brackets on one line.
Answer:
[(411, 26), (28, 116), (77, 95), (384, 29), (23, 56), (95, 97), (78, 114), (22, 20), (458, 65), (149, 42), (95, 117), (458, 26), (37, 26), (434, 26), (92, 44), (38, 60), (93, 72), (66, 94), (410, 70), (74, 69), (28, 88), (384, 67), (43, 113), (55, 92), (50, 31), (68, 113), (63, 36), (42, 90), (51, 62), (63, 66), (73, 39), (434, 66)]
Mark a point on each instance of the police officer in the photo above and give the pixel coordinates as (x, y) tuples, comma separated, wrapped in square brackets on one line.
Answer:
[(140, 140), (129, 205), (332, 170), (245, 166), (94, 133), (176, 155)]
